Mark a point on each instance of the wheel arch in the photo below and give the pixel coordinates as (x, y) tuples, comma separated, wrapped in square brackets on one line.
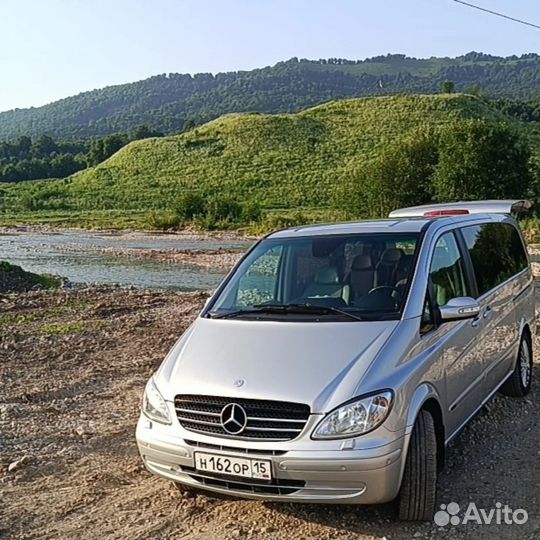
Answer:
[(426, 398)]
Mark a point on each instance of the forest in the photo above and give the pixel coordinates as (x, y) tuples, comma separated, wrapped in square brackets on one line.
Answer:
[(171, 103), (43, 157)]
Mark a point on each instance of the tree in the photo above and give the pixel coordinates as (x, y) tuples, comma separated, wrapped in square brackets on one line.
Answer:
[(533, 190), (144, 132), (447, 87), (479, 159), (43, 146), (400, 176), (23, 146), (102, 149)]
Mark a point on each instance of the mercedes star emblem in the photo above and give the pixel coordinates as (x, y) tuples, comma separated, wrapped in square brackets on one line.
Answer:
[(233, 418)]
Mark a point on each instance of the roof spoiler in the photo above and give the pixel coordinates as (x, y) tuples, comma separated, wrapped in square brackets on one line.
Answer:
[(464, 207)]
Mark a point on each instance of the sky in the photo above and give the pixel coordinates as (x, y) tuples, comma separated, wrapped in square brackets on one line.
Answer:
[(51, 49)]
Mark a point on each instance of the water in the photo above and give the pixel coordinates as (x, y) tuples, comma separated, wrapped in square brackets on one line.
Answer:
[(75, 256)]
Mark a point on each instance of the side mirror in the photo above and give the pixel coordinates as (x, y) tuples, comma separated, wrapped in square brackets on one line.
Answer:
[(462, 307)]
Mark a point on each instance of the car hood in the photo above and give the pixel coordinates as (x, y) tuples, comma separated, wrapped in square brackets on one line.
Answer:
[(317, 363)]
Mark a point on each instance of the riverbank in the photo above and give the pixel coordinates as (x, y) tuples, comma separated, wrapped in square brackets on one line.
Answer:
[(217, 259), (188, 234), (74, 365)]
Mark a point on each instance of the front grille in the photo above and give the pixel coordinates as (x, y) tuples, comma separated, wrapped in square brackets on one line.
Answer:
[(247, 485), (266, 420), (249, 451)]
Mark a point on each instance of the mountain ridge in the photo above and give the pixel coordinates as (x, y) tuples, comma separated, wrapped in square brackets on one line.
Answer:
[(171, 102)]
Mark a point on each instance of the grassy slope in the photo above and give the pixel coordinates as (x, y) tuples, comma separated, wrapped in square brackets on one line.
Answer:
[(14, 278), (281, 161)]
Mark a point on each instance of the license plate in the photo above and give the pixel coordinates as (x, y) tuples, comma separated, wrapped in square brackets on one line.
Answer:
[(260, 469)]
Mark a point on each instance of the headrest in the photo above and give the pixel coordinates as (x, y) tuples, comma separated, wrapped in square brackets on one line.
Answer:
[(361, 262), (327, 276), (405, 262), (391, 255)]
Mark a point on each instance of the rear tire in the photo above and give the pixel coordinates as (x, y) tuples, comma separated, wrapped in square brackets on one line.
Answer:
[(416, 499), (519, 382)]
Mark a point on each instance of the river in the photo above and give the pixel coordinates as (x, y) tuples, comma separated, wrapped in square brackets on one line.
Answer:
[(77, 256)]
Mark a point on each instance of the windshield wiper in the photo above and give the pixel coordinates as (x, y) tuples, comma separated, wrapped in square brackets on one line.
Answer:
[(285, 309), (240, 312), (308, 308), (312, 308)]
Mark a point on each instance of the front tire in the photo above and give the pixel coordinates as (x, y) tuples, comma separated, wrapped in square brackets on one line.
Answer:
[(519, 382), (416, 499)]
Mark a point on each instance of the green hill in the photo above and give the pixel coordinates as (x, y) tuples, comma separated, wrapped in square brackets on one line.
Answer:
[(169, 102), (281, 161)]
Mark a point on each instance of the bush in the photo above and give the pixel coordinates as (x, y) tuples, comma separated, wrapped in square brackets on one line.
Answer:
[(251, 212), (282, 221), (189, 206), (224, 210), (163, 221)]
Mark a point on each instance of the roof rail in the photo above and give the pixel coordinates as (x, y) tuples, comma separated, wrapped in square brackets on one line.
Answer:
[(464, 207)]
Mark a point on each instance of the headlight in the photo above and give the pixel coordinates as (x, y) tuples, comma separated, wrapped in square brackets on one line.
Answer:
[(153, 404), (356, 417)]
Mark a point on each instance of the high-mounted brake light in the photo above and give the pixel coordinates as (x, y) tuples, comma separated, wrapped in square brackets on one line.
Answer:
[(452, 212)]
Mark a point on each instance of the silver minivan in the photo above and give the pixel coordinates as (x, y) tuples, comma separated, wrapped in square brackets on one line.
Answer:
[(336, 362)]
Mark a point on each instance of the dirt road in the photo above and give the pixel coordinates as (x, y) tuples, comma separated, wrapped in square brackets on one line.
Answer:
[(73, 366)]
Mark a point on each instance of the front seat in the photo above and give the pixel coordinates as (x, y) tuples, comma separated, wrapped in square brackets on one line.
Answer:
[(325, 284), (362, 276), (403, 270), (385, 273)]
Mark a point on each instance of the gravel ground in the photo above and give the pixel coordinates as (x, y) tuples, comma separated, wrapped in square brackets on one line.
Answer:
[(72, 369)]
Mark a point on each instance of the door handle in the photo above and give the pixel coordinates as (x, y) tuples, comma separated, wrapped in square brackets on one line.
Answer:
[(487, 312), (475, 322)]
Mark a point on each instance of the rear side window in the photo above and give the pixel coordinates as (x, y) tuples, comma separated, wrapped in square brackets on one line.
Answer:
[(496, 251)]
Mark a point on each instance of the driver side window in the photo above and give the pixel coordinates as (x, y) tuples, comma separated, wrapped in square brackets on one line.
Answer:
[(447, 271), (258, 285)]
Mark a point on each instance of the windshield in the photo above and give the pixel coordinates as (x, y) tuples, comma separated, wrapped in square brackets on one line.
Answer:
[(352, 277)]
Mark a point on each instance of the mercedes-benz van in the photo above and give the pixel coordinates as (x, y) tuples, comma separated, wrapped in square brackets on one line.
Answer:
[(336, 362)]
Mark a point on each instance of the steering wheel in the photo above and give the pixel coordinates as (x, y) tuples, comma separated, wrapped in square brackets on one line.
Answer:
[(387, 289)]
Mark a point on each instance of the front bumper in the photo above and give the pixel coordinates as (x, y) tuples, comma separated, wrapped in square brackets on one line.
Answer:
[(351, 476)]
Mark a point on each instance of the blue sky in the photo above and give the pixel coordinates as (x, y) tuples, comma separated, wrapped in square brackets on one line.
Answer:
[(51, 49)]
